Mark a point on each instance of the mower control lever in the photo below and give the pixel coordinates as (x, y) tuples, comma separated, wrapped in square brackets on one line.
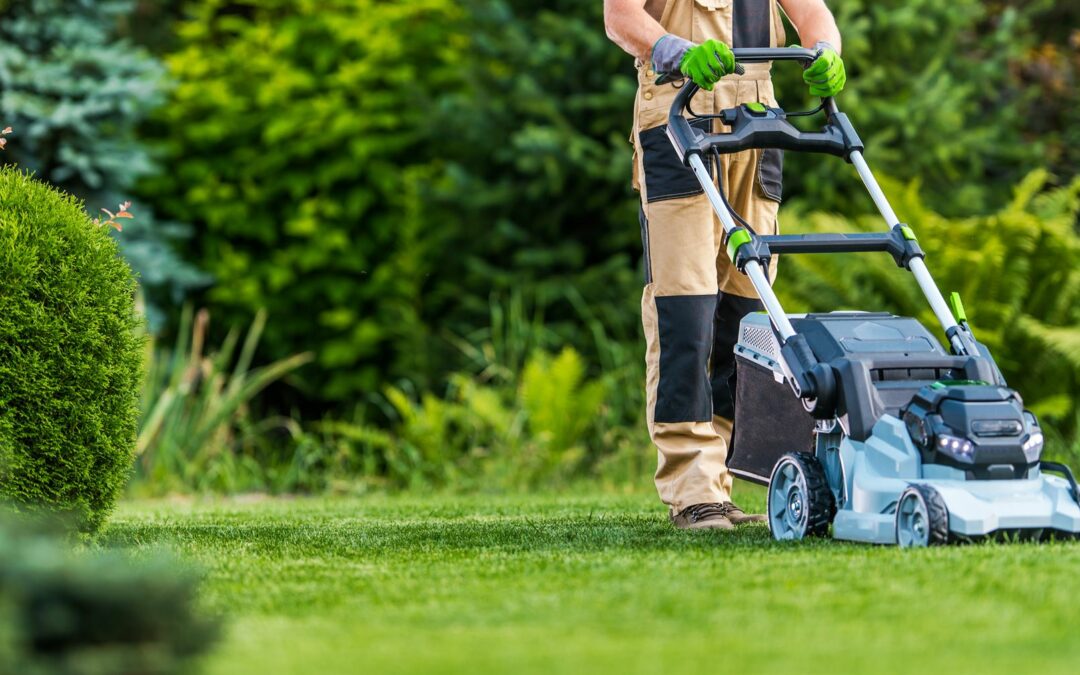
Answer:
[(667, 78)]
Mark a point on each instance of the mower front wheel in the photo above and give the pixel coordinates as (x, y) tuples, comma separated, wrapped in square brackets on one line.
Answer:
[(800, 502), (921, 518)]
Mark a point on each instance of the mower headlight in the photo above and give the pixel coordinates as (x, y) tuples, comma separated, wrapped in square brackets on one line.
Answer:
[(958, 448), (1034, 443)]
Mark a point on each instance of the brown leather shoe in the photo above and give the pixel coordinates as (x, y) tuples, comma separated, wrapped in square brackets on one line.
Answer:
[(736, 516), (702, 517)]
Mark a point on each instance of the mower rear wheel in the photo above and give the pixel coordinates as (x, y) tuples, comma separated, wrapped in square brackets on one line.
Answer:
[(800, 501), (921, 518)]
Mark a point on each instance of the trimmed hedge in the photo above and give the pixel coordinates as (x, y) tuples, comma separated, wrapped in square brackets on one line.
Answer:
[(70, 356)]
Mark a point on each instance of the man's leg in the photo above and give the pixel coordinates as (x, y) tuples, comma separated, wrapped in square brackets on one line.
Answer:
[(678, 306)]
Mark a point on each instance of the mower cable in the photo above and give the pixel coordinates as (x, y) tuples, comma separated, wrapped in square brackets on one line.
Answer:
[(723, 196)]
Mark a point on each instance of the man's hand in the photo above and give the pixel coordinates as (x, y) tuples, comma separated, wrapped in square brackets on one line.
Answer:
[(706, 63), (825, 75)]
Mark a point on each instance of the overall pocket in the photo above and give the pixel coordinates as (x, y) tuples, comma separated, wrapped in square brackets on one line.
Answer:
[(665, 175), (712, 19), (770, 173)]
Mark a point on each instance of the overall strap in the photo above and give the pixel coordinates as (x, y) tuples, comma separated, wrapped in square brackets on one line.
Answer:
[(655, 8)]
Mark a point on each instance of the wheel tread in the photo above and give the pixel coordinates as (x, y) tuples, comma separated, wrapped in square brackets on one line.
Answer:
[(821, 503), (937, 513)]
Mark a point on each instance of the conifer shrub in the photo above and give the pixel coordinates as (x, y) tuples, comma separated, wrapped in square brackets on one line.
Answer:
[(70, 356), (76, 91)]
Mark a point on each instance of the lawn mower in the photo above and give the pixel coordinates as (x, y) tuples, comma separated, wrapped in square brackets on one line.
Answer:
[(863, 421)]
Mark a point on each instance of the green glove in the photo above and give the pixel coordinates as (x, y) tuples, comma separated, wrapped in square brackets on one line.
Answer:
[(706, 63), (825, 75)]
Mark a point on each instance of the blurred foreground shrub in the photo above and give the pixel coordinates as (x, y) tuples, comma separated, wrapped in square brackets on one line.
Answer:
[(1018, 271), (94, 614), (75, 93), (195, 430), (69, 355)]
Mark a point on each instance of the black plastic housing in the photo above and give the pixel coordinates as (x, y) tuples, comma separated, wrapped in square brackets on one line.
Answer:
[(768, 128), (989, 418)]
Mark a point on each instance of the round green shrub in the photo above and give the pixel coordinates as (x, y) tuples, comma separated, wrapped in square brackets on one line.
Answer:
[(70, 356)]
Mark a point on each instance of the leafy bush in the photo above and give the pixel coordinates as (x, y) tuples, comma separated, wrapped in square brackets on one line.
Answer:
[(1053, 68), (297, 133), (936, 93), (69, 355), (94, 614), (1018, 270), (75, 94), (374, 188), (522, 418), (195, 430), (480, 434)]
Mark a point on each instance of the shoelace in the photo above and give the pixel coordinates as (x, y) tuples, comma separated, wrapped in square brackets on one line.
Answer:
[(729, 509), (699, 512)]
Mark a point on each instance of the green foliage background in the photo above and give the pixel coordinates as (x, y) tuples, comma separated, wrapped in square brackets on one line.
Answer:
[(381, 191), (70, 358), (936, 93), (432, 197)]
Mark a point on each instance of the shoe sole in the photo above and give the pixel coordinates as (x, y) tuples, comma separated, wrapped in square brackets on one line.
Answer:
[(749, 520), (711, 524)]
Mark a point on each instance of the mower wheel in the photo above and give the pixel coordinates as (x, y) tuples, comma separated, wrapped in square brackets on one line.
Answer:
[(800, 501), (921, 518)]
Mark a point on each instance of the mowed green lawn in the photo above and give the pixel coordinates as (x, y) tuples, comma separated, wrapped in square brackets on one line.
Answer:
[(598, 584)]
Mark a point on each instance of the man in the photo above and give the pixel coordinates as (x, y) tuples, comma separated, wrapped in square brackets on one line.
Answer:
[(694, 297)]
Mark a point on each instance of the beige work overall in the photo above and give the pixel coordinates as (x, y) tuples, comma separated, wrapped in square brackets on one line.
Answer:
[(694, 297)]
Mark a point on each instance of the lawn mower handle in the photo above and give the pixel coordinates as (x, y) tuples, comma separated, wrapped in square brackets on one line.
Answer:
[(759, 55), (758, 126), (765, 54), (754, 125)]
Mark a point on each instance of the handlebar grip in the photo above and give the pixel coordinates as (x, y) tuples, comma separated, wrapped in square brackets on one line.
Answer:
[(665, 78), (764, 54)]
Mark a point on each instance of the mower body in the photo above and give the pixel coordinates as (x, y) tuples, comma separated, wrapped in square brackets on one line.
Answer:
[(907, 413)]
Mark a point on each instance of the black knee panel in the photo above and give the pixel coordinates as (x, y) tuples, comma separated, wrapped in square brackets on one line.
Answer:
[(730, 309), (685, 324)]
